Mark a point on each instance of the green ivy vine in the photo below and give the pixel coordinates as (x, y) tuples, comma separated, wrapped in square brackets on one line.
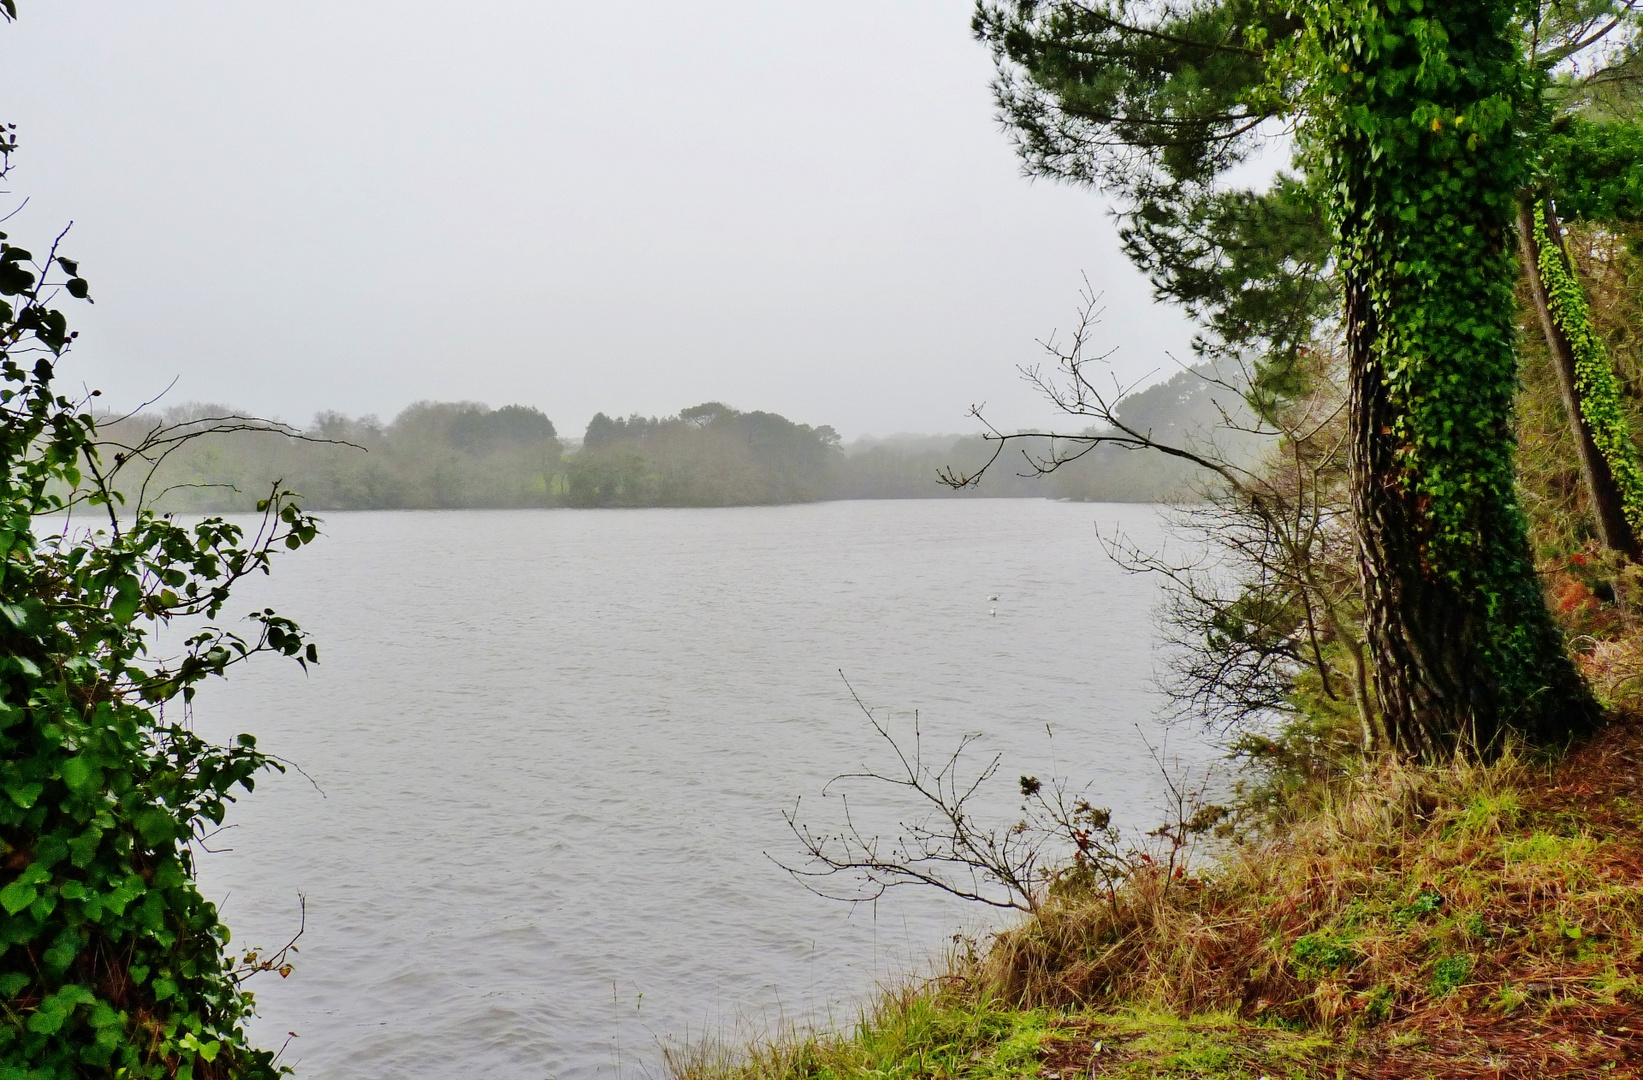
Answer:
[(112, 964), (1599, 389)]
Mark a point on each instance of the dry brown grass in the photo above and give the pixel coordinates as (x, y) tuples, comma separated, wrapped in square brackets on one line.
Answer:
[(1468, 921)]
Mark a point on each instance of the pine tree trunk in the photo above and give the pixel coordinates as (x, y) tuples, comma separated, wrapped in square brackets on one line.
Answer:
[(1418, 666), (1608, 507), (1465, 651), (1437, 666)]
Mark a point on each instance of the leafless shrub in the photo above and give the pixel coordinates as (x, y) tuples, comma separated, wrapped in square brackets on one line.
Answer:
[(1062, 841), (1272, 591)]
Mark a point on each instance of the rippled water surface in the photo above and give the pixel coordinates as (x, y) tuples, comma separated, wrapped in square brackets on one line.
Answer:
[(552, 750)]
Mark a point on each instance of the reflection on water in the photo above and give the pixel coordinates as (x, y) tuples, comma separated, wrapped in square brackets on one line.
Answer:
[(552, 748)]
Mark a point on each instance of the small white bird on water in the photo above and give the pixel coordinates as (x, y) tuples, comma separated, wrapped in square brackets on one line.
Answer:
[(994, 611)]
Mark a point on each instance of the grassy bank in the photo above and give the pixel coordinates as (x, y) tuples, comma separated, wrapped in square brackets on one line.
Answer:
[(1474, 921)]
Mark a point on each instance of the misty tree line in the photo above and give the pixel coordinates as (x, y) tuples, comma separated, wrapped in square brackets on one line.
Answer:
[(438, 455)]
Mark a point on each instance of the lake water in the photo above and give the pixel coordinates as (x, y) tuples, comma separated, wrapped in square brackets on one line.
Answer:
[(552, 750)]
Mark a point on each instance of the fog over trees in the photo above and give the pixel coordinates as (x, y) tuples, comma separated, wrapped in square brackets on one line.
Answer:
[(468, 455)]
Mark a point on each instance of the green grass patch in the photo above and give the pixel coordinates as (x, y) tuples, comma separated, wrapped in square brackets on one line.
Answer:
[(1322, 952), (1142, 1045), (1450, 974), (1543, 848), (908, 1035)]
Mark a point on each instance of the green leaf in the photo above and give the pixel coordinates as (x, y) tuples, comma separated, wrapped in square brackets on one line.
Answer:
[(151, 916), (163, 988), (77, 995), (57, 1008), (17, 896), (12, 983), (50, 851), (156, 826), (24, 795), (81, 776), (50, 1016), (128, 891), (61, 954), (83, 848), (124, 606)]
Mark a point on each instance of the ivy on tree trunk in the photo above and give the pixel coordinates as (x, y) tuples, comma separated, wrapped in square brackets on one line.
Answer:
[(1587, 383), (1418, 136)]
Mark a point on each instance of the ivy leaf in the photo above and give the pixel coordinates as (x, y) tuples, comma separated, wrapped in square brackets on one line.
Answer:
[(155, 826), (23, 794), (83, 848), (81, 776), (61, 954), (50, 1016), (55, 1010), (22, 892), (50, 851)]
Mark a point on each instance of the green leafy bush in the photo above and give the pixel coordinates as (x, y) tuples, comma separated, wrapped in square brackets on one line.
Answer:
[(111, 961)]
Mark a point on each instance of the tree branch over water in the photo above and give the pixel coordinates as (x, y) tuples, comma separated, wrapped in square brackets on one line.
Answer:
[(1061, 840)]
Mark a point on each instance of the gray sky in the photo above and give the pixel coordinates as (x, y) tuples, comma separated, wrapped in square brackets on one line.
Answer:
[(804, 206)]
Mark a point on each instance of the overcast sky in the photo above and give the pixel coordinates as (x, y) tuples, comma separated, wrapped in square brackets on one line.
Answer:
[(805, 206)]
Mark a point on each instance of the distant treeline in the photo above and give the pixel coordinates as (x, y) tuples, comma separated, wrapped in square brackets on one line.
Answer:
[(462, 454)]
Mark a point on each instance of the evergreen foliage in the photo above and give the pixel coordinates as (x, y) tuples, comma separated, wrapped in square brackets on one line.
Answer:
[(456, 455), (1254, 268), (1596, 170)]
